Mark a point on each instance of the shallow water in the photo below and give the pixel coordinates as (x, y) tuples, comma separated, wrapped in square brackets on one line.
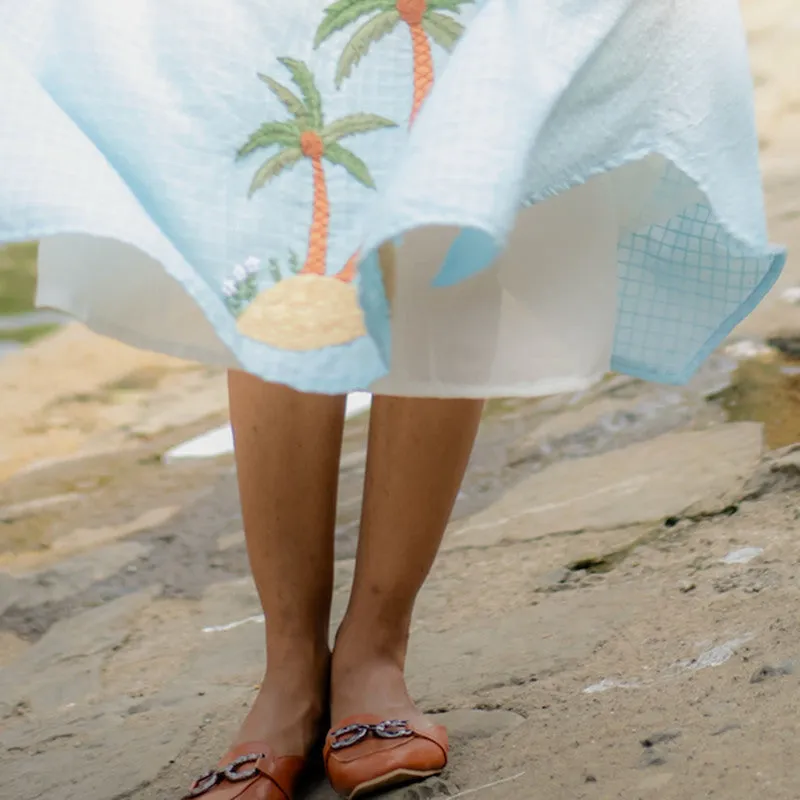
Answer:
[(767, 391), (20, 322), (17, 278)]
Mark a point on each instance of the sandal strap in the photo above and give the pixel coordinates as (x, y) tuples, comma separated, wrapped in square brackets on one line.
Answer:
[(354, 730), (245, 765)]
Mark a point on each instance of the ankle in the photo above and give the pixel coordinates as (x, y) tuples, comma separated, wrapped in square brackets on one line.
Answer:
[(369, 643), (297, 675), (298, 653), (289, 721), (374, 684)]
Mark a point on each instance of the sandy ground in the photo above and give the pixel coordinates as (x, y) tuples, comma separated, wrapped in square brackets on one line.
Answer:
[(613, 615), (621, 624)]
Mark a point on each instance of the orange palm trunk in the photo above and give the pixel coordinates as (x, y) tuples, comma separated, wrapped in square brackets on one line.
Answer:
[(318, 235), (348, 272), (423, 68), (316, 259), (387, 262), (412, 12)]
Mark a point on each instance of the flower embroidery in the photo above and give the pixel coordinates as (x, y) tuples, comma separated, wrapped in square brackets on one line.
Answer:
[(242, 285)]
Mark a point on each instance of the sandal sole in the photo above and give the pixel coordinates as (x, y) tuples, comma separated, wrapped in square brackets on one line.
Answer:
[(390, 780)]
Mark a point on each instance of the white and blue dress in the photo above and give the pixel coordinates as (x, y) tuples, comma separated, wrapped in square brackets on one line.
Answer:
[(416, 197)]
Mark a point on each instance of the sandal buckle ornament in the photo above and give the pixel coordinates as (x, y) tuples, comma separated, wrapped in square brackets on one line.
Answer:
[(232, 772), (353, 734)]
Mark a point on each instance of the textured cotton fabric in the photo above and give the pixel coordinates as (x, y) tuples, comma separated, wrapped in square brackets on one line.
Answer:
[(446, 198)]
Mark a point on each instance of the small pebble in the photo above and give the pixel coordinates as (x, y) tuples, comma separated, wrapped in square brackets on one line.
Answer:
[(791, 295), (660, 738), (770, 671)]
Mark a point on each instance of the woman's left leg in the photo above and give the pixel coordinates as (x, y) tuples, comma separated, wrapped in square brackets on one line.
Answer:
[(418, 453)]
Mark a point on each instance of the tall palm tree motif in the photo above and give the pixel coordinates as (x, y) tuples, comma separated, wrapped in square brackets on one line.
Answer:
[(426, 19), (306, 135)]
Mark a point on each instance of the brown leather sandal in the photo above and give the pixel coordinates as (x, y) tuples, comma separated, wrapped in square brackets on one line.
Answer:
[(250, 772), (365, 754)]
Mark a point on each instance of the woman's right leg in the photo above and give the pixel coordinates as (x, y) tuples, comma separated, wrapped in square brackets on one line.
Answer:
[(288, 447)]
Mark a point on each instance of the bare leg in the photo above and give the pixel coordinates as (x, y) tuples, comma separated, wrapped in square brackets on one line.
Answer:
[(287, 450), (418, 452)]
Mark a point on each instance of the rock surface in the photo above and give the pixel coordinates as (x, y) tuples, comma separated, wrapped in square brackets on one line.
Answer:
[(692, 473)]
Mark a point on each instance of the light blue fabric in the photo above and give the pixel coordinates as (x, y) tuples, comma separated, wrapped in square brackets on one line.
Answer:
[(123, 121)]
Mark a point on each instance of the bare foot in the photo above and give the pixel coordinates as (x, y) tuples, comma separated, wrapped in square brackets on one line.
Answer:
[(370, 683), (290, 710)]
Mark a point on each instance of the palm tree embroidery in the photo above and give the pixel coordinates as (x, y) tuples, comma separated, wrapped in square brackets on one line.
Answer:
[(306, 135), (426, 19)]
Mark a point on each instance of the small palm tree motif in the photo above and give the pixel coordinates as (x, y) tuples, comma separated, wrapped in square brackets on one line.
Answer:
[(426, 20), (306, 135), (309, 309)]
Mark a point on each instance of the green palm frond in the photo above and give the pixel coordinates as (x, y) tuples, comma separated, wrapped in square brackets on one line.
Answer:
[(353, 124), (338, 6), (370, 32), (275, 270), (337, 154), (312, 100), (444, 30), (270, 134), (341, 13), (447, 5), (295, 265), (294, 105), (274, 166)]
